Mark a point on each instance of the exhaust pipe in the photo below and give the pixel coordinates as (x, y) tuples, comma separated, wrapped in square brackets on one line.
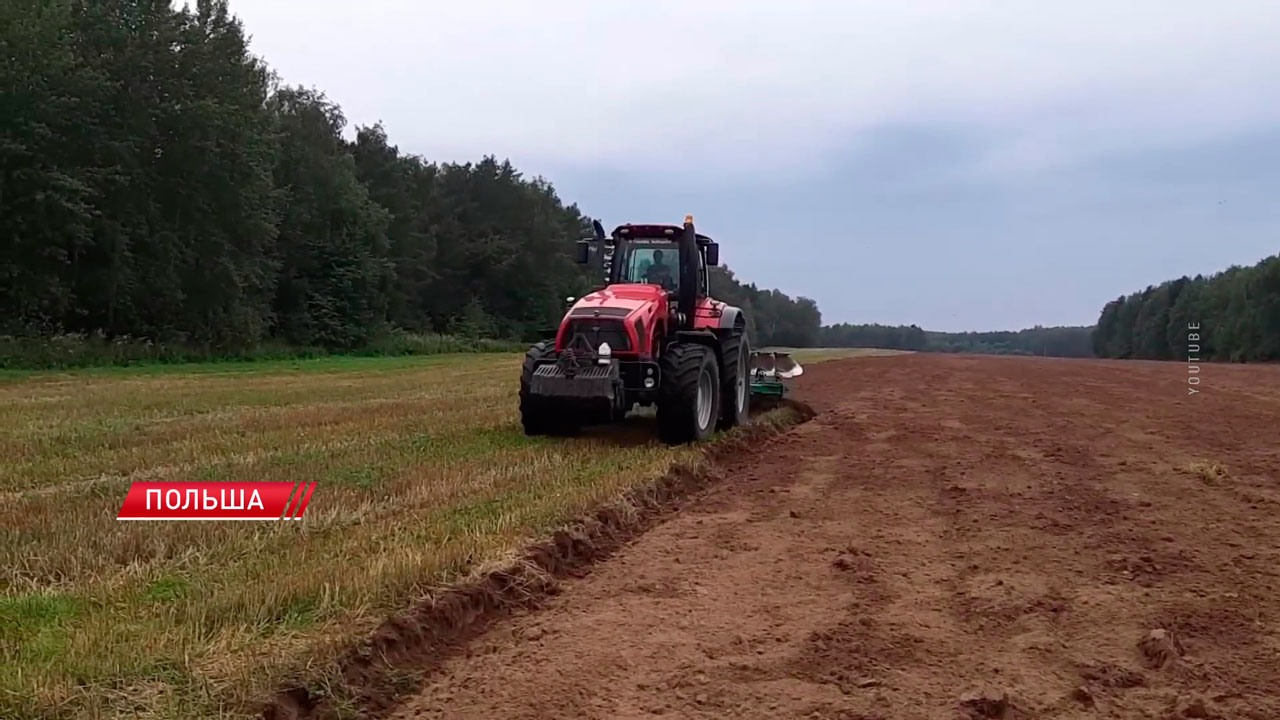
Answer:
[(687, 297)]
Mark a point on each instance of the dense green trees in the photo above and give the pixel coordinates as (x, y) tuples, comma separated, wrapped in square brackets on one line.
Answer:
[(773, 318), (1063, 341), (332, 253), (890, 337), (1237, 314), (157, 182), (135, 172), (1052, 341)]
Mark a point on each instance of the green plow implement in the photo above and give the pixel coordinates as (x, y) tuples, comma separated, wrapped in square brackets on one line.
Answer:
[(768, 371)]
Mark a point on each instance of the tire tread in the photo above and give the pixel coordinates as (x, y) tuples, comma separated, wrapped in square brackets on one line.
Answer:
[(677, 397), (733, 344)]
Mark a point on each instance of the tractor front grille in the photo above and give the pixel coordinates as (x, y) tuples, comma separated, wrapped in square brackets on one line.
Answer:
[(591, 381), (590, 372), (599, 330)]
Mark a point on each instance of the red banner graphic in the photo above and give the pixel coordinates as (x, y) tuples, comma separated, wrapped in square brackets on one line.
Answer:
[(216, 501)]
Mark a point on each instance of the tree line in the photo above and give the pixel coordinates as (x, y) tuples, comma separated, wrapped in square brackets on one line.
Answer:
[(1234, 314), (1066, 341), (773, 317), (158, 182), (889, 337)]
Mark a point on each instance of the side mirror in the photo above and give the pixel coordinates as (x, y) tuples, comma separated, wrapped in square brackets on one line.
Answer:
[(583, 252), (713, 254), (598, 228)]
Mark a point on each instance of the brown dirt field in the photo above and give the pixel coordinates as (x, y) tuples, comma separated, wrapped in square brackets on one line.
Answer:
[(952, 537)]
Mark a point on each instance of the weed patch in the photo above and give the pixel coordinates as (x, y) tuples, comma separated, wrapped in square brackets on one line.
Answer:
[(1212, 473)]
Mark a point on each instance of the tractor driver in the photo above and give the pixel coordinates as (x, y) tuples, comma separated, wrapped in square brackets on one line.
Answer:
[(659, 273)]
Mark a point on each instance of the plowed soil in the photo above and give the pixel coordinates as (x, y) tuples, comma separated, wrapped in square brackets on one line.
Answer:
[(951, 537)]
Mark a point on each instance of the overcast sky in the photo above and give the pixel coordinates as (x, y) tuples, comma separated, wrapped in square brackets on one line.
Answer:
[(959, 165)]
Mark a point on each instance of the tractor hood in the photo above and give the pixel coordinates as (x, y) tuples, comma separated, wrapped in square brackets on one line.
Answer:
[(628, 297)]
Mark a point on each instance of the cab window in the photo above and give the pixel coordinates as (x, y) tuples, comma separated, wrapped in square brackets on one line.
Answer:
[(654, 264)]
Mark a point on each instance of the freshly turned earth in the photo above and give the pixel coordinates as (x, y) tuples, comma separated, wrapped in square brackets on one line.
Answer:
[(951, 537)]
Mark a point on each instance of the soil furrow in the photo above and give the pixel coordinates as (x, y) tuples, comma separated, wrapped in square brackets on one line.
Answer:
[(952, 537)]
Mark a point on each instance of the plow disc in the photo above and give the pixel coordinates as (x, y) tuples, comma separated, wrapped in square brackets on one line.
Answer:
[(768, 370)]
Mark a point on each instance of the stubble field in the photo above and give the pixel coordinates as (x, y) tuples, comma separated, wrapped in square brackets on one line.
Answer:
[(423, 476)]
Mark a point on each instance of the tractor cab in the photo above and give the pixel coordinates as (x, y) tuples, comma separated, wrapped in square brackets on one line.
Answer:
[(651, 254)]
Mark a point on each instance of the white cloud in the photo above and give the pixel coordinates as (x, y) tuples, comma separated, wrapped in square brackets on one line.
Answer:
[(775, 86)]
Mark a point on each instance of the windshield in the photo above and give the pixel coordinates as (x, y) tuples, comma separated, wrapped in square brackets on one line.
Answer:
[(656, 262)]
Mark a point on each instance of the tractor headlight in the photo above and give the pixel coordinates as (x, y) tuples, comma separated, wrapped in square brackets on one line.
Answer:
[(605, 352), (648, 383)]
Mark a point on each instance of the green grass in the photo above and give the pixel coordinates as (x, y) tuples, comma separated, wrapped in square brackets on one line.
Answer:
[(329, 363), (83, 351), (423, 476)]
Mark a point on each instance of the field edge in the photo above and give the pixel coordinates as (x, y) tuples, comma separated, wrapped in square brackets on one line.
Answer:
[(369, 678)]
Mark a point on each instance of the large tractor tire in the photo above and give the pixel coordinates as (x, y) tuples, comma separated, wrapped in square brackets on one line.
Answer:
[(540, 415), (735, 385), (689, 397)]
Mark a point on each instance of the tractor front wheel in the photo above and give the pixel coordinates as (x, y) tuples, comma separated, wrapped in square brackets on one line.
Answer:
[(689, 397)]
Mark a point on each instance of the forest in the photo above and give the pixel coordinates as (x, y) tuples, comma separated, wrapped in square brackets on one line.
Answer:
[(1233, 315), (162, 191), (773, 318), (1069, 341)]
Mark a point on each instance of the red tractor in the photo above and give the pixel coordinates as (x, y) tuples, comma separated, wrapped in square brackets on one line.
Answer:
[(652, 336)]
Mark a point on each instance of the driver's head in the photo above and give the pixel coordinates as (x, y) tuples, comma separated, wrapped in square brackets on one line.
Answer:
[(657, 256)]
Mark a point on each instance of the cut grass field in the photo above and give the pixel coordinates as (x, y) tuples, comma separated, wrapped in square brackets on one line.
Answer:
[(424, 476)]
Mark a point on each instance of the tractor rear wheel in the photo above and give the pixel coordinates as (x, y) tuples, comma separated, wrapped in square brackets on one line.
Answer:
[(540, 415), (735, 393), (689, 397)]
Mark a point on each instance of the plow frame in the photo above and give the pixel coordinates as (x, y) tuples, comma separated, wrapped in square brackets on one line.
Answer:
[(768, 371)]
